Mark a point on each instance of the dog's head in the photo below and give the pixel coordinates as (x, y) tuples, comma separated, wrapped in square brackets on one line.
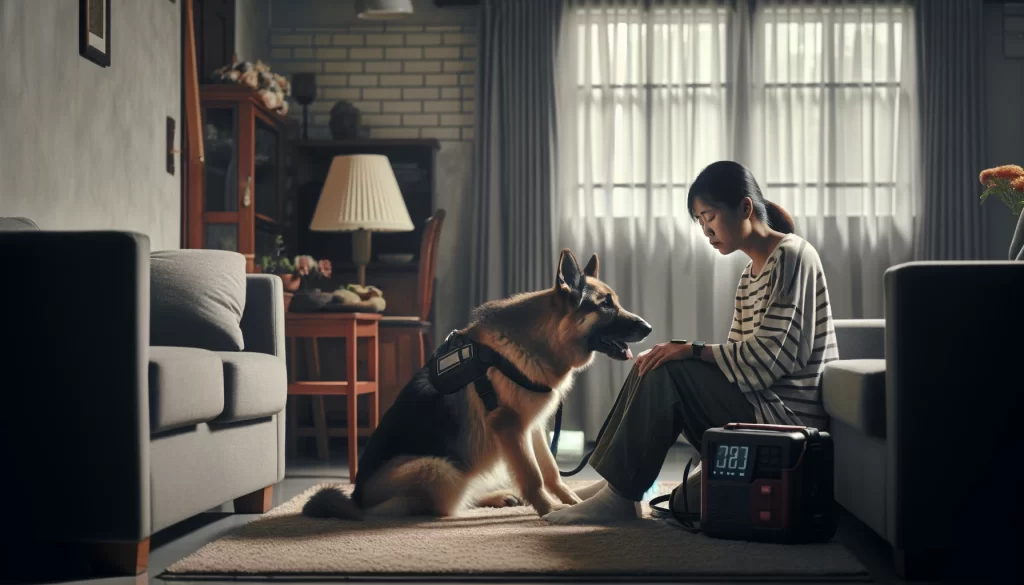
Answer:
[(600, 322)]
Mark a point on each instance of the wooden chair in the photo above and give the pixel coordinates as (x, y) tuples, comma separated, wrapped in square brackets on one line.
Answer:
[(424, 289)]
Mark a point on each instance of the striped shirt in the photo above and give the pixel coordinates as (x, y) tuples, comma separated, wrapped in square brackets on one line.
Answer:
[(782, 336)]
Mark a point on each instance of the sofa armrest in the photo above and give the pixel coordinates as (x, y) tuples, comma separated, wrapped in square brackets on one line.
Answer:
[(860, 339), (954, 385), (263, 317), (75, 333)]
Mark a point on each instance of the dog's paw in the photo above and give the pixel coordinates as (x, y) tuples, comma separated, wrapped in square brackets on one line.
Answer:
[(566, 495), (499, 500)]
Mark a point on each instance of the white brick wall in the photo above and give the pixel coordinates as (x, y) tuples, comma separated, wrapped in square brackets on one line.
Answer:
[(409, 81)]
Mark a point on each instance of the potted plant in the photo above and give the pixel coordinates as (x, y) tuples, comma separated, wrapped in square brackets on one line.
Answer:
[(1007, 183), (282, 266)]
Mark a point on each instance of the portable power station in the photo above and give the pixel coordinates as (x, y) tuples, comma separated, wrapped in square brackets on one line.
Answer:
[(768, 483)]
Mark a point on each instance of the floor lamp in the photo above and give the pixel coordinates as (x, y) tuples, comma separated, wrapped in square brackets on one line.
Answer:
[(361, 195)]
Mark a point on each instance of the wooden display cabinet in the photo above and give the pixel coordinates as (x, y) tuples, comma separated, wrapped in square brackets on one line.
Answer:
[(243, 205)]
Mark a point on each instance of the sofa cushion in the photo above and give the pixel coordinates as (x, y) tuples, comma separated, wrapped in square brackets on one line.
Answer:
[(197, 298), (255, 385), (860, 339), (186, 387), (853, 391)]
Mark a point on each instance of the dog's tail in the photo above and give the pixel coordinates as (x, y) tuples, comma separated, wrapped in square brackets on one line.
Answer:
[(331, 502)]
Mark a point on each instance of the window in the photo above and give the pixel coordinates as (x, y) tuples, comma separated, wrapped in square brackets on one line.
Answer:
[(651, 89), (827, 122), (831, 94)]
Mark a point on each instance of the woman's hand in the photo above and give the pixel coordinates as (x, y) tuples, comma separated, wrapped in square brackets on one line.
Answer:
[(661, 353)]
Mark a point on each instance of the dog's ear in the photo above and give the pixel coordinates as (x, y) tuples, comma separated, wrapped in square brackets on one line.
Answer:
[(591, 268), (569, 279)]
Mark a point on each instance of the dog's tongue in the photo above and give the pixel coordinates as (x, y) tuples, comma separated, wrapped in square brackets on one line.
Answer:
[(629, 354)]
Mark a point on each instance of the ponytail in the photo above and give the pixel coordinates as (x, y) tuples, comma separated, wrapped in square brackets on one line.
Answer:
[(778, 218)]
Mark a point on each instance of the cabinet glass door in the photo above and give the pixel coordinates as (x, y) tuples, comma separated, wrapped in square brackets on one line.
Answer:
[(220, 200), (267, 181)]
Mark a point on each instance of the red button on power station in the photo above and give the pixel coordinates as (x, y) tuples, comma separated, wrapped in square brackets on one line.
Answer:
[(766, 490), (765, 515)]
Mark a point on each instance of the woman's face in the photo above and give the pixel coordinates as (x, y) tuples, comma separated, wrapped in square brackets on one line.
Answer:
[(725, 229)]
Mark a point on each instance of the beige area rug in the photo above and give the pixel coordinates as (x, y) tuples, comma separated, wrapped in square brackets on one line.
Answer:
[(505, 544)]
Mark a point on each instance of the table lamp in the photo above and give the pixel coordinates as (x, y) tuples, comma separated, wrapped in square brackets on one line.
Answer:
[(361, 195)]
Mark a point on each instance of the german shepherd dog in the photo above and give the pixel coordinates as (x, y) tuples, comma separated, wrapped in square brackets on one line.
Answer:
[(432, 452)]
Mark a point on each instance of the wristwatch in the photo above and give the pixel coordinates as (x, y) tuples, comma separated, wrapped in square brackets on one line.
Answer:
[(698, 348)]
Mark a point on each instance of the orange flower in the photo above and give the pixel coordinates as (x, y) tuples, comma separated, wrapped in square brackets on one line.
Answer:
[(1018, 184), (1001, 172)]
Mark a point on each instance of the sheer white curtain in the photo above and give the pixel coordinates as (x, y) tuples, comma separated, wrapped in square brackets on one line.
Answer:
[(833, 137), (818, 100)]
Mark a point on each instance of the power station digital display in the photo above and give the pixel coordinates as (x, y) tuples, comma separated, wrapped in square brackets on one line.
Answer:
[(731, 461)]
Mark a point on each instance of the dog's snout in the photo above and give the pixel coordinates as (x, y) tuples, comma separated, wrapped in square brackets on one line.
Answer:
[(644, 328), (634, 327)]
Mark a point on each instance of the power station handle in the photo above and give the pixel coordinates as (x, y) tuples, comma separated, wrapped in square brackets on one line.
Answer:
[(757, 427)]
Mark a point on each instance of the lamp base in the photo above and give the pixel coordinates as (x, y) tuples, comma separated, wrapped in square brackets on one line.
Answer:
[(361, 253)]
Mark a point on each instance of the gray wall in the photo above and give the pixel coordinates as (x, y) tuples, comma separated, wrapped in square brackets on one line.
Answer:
[(81, 146), (252, 30), (1005, 126)]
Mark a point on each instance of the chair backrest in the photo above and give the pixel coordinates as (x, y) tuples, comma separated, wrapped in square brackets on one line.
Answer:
[(428, 264)]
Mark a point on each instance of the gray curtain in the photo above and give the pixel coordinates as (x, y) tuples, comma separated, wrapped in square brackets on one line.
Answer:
[(512, 249), (951, 53)]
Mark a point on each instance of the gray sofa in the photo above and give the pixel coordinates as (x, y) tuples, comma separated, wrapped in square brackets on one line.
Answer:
[(108, 438), (922, 407)]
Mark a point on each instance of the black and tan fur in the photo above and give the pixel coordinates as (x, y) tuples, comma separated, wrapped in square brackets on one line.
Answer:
[(435, 453)]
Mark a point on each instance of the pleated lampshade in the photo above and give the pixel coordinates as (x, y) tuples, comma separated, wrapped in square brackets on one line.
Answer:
[(361, 193)]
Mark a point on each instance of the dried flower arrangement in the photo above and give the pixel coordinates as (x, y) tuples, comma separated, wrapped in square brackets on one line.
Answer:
[(273, 88)]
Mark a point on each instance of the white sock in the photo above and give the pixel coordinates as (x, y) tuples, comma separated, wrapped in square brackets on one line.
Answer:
[(604, 507), (591, 490)]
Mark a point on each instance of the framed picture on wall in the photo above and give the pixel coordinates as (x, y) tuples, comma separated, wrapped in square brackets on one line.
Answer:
[(94, 31)]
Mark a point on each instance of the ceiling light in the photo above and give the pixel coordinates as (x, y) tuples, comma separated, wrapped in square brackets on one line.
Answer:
[(384, 9)]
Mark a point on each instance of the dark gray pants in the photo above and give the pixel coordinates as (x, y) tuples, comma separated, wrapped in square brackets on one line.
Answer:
[(687, 396)]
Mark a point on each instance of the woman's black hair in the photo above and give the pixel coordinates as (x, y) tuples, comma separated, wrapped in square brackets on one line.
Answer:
[(724, 184)]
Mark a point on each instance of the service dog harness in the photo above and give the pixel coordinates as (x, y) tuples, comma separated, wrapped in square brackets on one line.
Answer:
[(460, 361)]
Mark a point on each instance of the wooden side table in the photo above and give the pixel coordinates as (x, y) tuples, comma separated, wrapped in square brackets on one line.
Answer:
[(351, 327)]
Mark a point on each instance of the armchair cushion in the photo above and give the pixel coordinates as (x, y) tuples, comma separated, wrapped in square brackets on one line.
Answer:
[(853, 391), (197, 299), (186, 387), (860, 339), (255, 385)]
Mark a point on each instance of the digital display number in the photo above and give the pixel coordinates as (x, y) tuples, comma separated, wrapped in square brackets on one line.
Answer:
[(731, 460)]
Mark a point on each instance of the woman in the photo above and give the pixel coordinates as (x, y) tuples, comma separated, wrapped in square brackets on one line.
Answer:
[(769, 370)]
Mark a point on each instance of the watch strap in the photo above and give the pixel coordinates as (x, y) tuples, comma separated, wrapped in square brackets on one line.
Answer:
[(698, 348)]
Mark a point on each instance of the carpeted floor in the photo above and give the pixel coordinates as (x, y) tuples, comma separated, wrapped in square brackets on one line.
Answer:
[(498, 543)]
